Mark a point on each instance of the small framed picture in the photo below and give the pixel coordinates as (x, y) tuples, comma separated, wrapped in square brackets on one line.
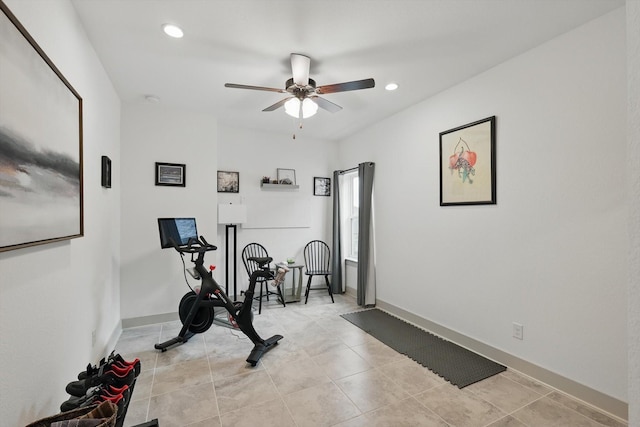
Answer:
[(171, 174), (228, 182), (106, 172), (287, 176), (321, 186)]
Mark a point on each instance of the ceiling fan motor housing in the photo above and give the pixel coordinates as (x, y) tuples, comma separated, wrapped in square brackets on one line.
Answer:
[(300, 91)]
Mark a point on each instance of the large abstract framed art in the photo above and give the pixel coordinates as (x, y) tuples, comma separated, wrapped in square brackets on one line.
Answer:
[(468, 164), (41, 189)]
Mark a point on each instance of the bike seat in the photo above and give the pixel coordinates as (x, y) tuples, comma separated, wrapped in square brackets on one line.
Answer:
[(261, 261)]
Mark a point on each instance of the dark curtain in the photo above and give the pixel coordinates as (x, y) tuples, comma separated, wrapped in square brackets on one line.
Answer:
[(336, 259), (366, 291)]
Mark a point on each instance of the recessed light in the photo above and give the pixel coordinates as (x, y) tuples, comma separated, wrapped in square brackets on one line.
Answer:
[(391, 86), (152, 99), (172, 31)]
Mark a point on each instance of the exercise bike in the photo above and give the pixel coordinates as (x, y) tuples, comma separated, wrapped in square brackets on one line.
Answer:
[(197, 309)]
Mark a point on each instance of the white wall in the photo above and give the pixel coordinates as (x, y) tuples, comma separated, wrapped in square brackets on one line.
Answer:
[(633, 165), (152, 278), (552, 254), (52, 297), (256, 154)]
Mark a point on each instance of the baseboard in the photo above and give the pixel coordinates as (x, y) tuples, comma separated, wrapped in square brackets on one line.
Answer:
[(590, 396), (133, 322), (352, 292)]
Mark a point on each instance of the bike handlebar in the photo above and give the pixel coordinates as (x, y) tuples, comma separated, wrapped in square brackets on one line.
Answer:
[(195, 246)]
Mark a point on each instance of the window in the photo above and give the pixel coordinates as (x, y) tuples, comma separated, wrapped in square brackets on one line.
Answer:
[(354, 210)]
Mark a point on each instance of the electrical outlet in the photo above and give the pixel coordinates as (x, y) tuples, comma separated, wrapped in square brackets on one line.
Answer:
[(517, 331), (93, 337)]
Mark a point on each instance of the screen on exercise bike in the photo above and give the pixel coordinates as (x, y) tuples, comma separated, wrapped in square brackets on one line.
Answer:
[(180, 230)]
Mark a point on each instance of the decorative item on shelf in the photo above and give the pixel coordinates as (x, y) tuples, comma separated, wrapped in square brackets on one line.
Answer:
[(321, 186), (266, 180), (291, 260), (468, 164), (286, 176), (274, 181), (228, 182), (171, 174)]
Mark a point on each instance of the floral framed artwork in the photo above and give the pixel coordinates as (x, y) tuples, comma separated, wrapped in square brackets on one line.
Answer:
[(228, 182), (468, 164), (287, 176), (321, 186), (171, 174), (41, 176)]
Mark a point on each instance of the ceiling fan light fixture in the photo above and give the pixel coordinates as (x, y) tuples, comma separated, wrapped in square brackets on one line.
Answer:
[(292, 108), (173, 31)]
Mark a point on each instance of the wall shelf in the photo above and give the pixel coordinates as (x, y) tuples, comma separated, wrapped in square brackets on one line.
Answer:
[(266, 186)]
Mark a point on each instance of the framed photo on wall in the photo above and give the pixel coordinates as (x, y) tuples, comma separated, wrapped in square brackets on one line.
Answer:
[(40, 144), (468, 164), (171, 174), (228, 182), (321, 186)]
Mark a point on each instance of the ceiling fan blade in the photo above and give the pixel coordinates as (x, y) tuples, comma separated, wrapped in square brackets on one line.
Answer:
[(269, 89), (344, 87), (326, 105), (277, 104), (300, 69)]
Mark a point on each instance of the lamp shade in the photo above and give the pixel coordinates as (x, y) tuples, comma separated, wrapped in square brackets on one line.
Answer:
[(292, 108), (229, 213)]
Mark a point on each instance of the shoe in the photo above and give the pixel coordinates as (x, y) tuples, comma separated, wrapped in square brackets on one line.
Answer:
[(103, 377), (110, 360), (135, 363), (95, 395)]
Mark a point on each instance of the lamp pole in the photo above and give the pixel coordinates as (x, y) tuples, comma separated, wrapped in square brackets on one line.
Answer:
[(235, 254)]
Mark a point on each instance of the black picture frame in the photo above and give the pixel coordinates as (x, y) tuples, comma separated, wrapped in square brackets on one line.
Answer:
[(228, 182), (171, 174), (43, 143), (321, 186), (106, 172), (468, 164)]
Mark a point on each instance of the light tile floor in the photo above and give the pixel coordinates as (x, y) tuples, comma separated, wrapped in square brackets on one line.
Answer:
[(325, 372)]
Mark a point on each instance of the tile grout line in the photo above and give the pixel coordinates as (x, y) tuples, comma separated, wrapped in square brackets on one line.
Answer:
[(153, 377), (213, 385), (279, 393)]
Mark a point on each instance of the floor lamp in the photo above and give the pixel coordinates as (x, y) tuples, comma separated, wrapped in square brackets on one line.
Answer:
[(231, 215)]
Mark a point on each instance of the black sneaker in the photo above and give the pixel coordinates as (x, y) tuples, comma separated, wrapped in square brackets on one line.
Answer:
[(79, 388)]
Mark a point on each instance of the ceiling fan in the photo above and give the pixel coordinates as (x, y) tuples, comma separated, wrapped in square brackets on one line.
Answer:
[(303, 100)]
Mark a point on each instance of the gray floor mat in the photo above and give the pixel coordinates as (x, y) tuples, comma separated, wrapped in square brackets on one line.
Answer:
[(455, 364)]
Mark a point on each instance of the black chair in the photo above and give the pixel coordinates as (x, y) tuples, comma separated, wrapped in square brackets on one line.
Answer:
[(317, 258), (256, 250)]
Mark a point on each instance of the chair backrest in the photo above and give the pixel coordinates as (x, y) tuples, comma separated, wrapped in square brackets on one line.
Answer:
[(317, 257), (253, 250)]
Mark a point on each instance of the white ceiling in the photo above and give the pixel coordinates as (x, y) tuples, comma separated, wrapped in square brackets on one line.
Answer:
[(425, 46)]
